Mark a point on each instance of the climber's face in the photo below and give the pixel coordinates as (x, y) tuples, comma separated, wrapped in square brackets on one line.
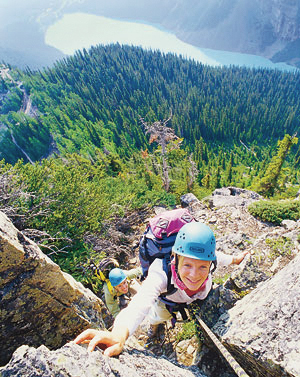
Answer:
[(123, 287), (193, 272)]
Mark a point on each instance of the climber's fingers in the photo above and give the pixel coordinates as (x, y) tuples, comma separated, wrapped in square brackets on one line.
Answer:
[(86, 336), (240, 257), (97, 340), (102, 339), (114, 350)]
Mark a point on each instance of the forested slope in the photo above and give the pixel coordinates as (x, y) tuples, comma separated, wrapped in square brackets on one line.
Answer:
[(96, 98), (92, 160)]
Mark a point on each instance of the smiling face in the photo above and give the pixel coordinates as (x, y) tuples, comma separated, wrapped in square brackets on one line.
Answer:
[(193, 272), (123, 287)]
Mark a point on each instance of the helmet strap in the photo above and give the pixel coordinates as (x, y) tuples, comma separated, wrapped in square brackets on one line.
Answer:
[(213, 266)]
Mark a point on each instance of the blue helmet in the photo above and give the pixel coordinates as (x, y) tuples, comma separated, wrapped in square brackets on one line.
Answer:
[(197, 241), (116, 276)]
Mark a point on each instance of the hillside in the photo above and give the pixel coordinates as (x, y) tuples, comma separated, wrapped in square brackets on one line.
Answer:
[(96, 99), (77, 148)]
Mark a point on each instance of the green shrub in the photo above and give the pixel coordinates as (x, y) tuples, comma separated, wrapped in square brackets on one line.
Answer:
[(275, 211), (221, 279), (189, 329), (281, 246)]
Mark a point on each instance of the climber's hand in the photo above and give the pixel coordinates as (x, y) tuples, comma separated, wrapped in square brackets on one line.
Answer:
[(106, 340), (237, 259)]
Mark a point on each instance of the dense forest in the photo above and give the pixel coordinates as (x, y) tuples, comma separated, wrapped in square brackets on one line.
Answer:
[(116, 128)]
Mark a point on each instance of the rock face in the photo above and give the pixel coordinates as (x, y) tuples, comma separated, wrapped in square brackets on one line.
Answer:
[(73, 360), (39, 303), (233, 197), (263, 329), (269, 28)]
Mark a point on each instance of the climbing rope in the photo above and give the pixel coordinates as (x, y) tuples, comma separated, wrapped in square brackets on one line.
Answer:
[(232, 362)]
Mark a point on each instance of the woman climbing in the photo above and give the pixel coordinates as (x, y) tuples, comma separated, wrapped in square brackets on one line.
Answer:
[(193, 259)]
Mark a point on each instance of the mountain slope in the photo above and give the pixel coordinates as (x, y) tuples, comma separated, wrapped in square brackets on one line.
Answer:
[(96, 99), (257, 27)]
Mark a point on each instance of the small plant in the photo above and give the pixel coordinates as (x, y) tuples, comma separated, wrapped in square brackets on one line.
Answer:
[(280, 246), (221, 279), (242, 294), (189, 329), (275, 211)]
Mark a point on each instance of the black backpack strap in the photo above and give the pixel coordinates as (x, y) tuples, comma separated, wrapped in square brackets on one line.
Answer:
[(167, 269), (144, 243)]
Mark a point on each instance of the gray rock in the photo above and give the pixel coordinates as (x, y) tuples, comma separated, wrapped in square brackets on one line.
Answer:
[(232, 196), (236, 191), (215, 305), (289, 224), (263, 329), (246, 276), (224, 191), (40, 304), (74, 360), (187, 199)]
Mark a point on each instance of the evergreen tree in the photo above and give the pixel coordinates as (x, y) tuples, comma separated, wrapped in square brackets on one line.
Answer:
[(206, 181), (270, 181), (228, 173)]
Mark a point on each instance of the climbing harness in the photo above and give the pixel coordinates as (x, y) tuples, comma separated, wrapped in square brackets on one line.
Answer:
[(232, 362)]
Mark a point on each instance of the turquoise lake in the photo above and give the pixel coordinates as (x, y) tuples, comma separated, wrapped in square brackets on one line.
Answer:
[(80, 30)]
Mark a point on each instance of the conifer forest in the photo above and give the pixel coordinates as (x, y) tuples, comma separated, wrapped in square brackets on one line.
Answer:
[(113, 129)]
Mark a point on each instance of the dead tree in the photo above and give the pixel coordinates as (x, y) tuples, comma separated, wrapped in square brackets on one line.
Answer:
[(160, 133), (193, 172)]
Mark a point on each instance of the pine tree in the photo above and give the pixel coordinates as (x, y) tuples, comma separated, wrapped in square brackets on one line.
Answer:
[(270, 181), (206, 181), (228, 173)]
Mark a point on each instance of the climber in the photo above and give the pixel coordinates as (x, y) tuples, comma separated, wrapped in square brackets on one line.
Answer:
[(193, 259), (124, 286)]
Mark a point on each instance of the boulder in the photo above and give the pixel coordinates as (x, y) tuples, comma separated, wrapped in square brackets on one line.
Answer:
[(188, 199), (289, 224), (246, 276), (263, 329), (186, 350), (39, 304), (74, 360), (237, 191), (232, 196)]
